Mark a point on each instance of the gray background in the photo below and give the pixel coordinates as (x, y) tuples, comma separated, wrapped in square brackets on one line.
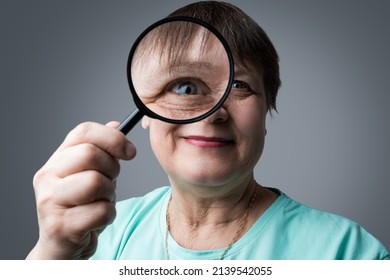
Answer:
[(63, 62)]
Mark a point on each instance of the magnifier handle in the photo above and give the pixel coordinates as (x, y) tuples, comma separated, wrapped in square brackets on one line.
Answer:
[(130, 121)]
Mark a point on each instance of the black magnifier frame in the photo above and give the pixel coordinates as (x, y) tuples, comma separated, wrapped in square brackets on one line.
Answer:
[(141, 109)]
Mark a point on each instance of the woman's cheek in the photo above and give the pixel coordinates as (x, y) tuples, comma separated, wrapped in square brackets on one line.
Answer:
[(162, 139)]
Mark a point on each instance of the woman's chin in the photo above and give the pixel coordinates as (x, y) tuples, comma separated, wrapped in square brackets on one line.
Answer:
[(206, 175)]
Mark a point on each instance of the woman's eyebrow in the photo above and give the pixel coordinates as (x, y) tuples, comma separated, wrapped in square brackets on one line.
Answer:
[(254, 80), (191, 66), (204, 70), (240, 71)]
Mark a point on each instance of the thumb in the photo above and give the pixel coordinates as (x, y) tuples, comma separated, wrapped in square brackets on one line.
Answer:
[(113, 124), (131, 150)]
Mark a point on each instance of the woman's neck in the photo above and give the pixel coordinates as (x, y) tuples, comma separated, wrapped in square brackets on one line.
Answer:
[(223, 205), (212, 222)]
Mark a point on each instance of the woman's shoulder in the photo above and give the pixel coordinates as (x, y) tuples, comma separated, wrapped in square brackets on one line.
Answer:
[(303, 214), (327, 229)]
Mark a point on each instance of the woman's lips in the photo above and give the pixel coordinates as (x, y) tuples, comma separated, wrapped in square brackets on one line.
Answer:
[(208, 142)]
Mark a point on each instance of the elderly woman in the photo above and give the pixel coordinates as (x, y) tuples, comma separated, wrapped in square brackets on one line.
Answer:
[(214, 208)]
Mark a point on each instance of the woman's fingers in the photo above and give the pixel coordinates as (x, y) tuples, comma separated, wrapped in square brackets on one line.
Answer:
[(107, 138), (82, 157), (83, 188)]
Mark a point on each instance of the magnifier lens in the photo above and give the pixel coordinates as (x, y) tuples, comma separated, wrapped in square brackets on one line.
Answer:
[(179, 70)]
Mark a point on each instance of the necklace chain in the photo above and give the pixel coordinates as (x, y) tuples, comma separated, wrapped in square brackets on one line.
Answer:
[(236, 236)]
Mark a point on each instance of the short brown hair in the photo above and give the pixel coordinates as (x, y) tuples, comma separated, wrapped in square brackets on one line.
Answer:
[(248, 42)]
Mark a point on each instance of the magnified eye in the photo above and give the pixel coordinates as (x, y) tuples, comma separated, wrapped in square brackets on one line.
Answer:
[(185, 87), (185, 95)]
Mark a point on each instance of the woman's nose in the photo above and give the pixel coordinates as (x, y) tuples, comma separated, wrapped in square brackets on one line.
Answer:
[(219, 116)]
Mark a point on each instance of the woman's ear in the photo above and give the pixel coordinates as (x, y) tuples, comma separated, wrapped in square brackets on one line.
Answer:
[(145, 122)]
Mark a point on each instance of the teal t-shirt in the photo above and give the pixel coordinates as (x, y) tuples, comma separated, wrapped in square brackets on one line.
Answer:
[(286, 230)]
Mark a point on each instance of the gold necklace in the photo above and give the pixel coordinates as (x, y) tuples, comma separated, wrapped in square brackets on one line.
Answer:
[(236, 236)]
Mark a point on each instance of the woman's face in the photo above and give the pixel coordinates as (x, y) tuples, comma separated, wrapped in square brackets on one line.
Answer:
[(224, 147), (220, 149)]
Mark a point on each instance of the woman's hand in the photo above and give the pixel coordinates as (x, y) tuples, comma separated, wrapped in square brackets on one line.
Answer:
[(75, 191)]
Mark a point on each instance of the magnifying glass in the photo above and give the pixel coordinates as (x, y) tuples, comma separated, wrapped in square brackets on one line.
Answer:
[(180, 70)]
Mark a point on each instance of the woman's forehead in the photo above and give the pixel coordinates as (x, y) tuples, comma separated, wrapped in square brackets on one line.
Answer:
[(199, 54)]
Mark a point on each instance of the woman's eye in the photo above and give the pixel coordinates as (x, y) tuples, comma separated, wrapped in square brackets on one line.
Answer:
[(186, 88), (240, 85)]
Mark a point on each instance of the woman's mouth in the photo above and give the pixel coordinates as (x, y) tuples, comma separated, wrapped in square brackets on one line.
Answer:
[(208, 142)]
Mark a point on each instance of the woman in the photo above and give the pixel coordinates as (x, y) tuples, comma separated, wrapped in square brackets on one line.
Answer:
[(214, 208)]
